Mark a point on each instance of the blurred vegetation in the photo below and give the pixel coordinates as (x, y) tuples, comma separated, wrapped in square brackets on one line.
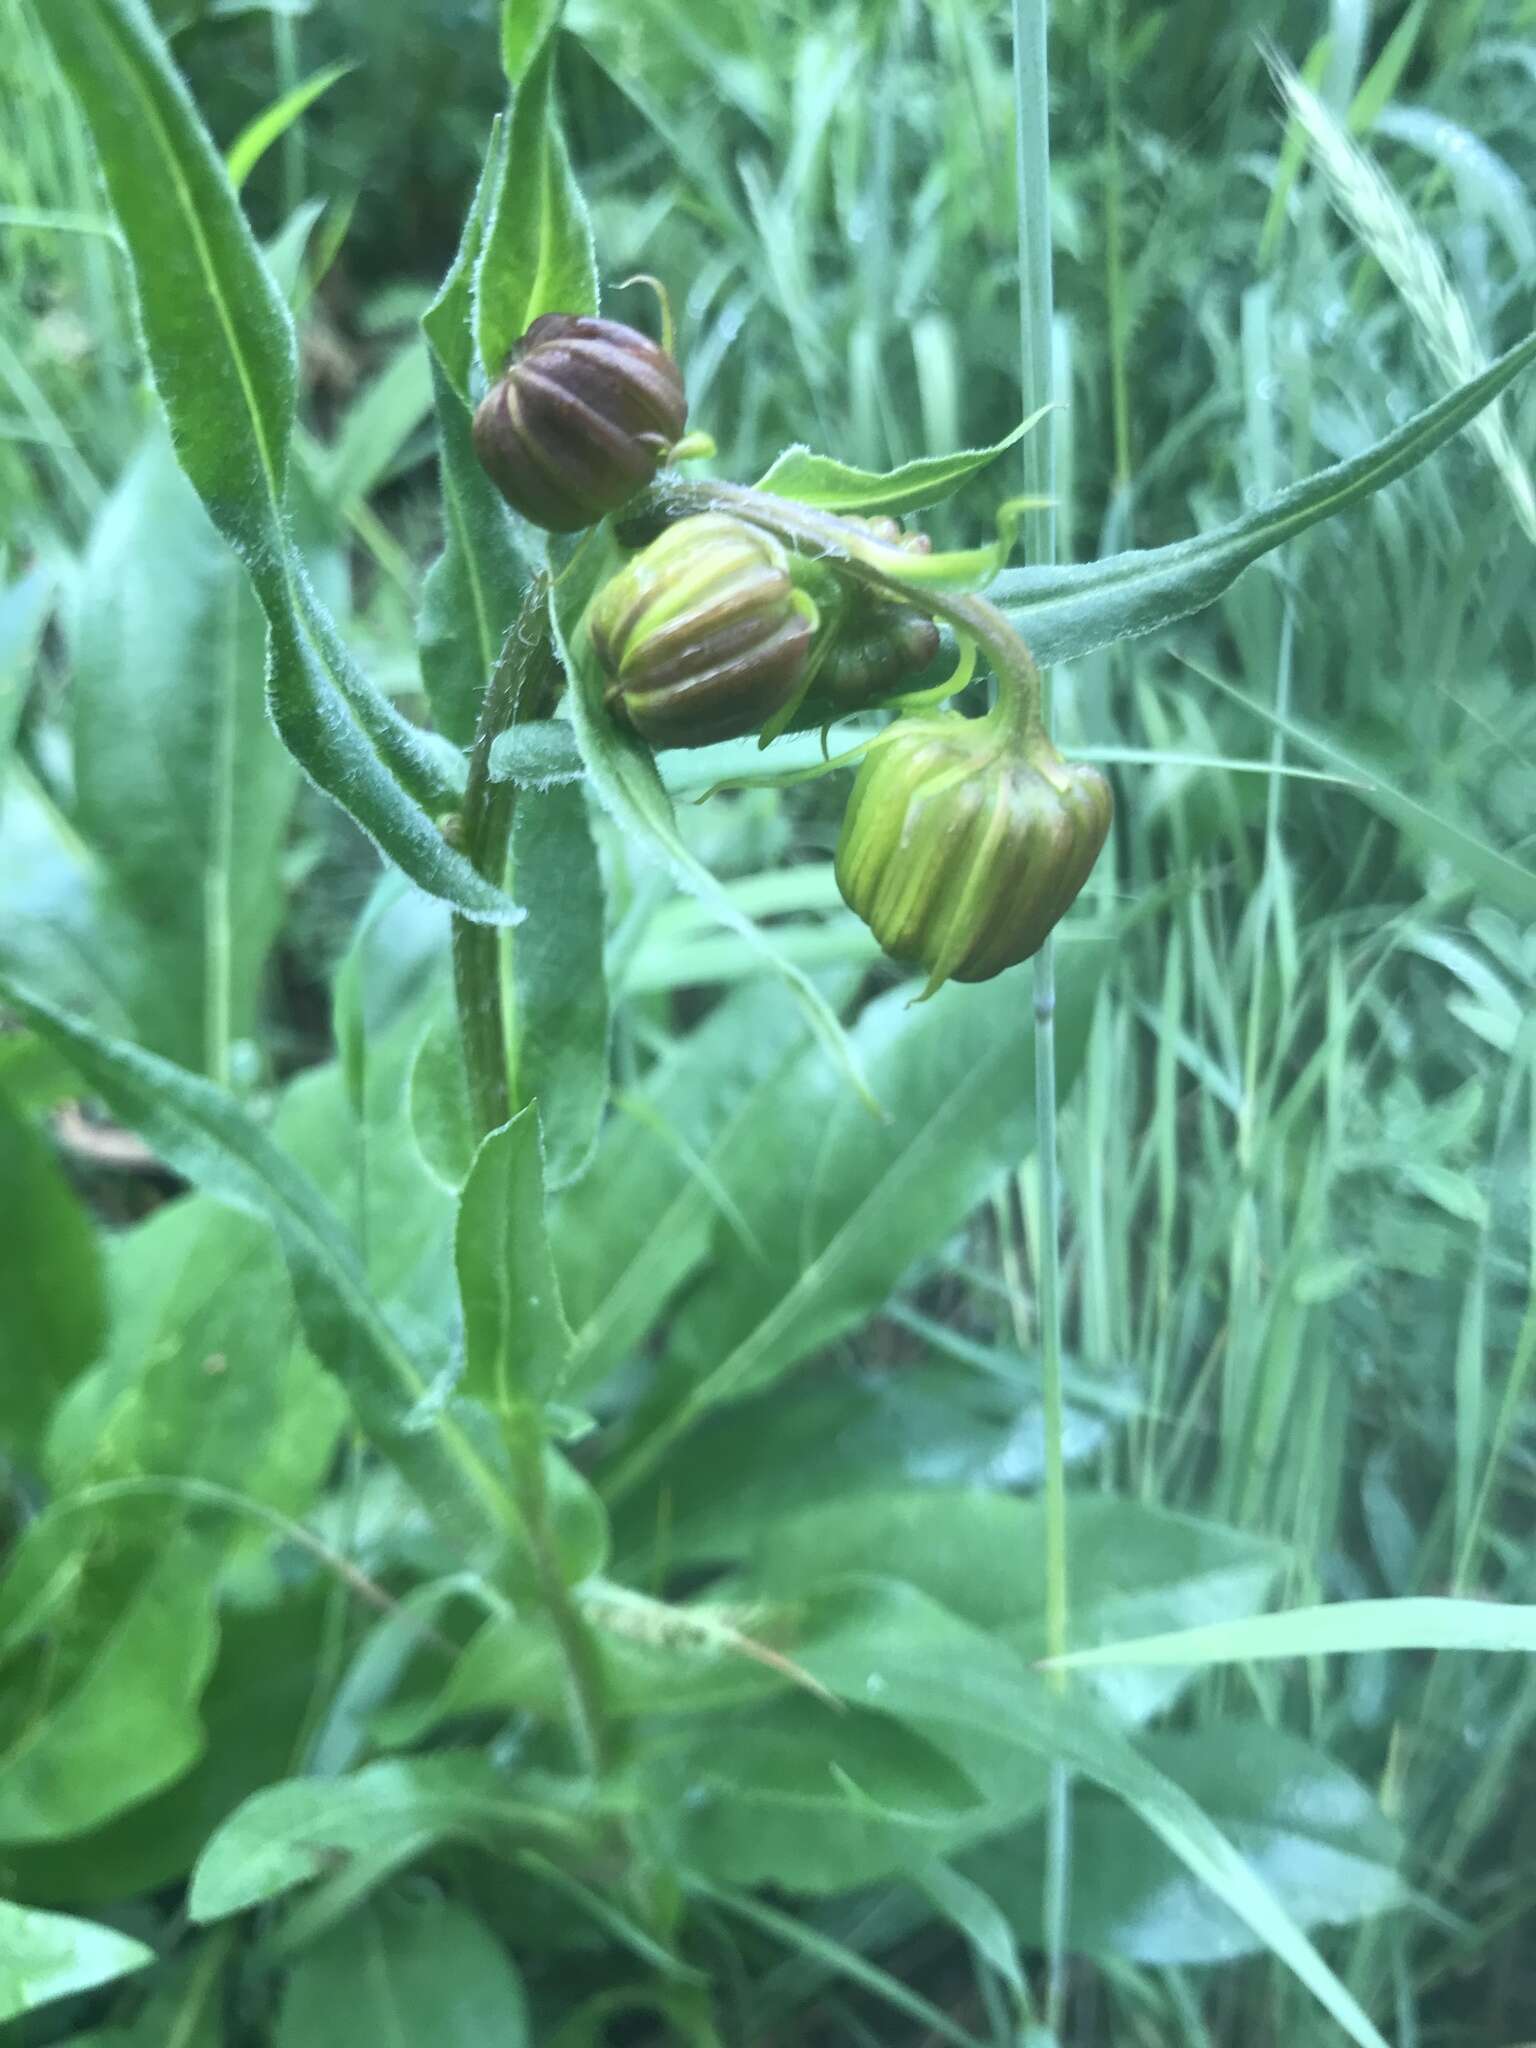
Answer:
[(1301, 1239)]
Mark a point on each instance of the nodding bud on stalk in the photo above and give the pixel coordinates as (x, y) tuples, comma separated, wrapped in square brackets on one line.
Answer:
[(581, 419), (701, 637), (966, 841)]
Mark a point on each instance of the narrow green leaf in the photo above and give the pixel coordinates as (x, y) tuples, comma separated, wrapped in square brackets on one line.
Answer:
[(516, 1342), (258, 136), (401, 1398), (473, 591), (559, 986), (448, 322), (221, 346), (442, 1122), (219, 336), (292, 1833), (1065, 613), (834, 486), (44, 1956), (1347, 1627), (1496, 876), (525, 24), (956, 1685), (537, 255)]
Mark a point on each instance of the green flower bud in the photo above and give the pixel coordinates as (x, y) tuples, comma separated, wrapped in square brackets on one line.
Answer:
[(701, 637), (876, 645), (580, 420), (965, 842)]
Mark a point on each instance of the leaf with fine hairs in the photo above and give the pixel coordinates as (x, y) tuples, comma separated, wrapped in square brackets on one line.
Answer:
[(221, 346), (1065, 613)]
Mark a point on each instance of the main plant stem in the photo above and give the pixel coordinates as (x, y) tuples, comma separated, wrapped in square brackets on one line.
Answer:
[(526, 682), (1031, 78)]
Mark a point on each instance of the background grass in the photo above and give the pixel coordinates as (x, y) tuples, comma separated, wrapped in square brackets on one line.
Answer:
[(1300, 1252)]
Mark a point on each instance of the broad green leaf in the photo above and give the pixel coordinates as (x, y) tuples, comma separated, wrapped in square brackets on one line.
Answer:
[(906, 1655), (52, 1305), (1068, 612), (840, 1436), (625, 778), (221, 346), (254, 1710), (802, 1796), (1312, 1832), (516, 1341), (106, 1617), (290, 1834), (204, 1377), (559, 985), (405, 1969), (399, 1393), (971, 1551), (273, 122), (833, 486), (44, 1956), (1346, 1627), (537, 254), (629, 1233), (182, 788), (838, 1206)]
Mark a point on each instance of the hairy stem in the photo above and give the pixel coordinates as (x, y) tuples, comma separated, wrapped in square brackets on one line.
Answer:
[(526, 682), (878, 566)]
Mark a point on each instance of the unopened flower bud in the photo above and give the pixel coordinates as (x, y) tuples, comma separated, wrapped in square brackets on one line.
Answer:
[(964, 844), (580, 420), (701, 637)]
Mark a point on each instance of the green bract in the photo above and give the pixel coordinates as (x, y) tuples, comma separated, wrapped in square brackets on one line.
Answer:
[(965, 843), (875, 646), (581, 419), (701, 637)]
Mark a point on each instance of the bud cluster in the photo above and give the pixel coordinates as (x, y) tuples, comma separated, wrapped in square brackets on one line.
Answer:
[(965, 840)]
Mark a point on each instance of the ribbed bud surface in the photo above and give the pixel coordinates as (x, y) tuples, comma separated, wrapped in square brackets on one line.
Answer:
[(700, 637), (962, 848), (580, 420)]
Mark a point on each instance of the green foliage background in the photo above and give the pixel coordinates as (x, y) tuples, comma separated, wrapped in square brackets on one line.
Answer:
[(281, 1718)]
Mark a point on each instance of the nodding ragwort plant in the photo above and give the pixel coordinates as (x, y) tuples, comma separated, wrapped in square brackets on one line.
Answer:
[(641, 1650)]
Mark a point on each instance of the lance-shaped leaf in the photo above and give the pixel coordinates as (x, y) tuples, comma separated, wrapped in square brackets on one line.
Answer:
[(834, 486), (1067, 612), (517, 1343), (401, 1398), (44, 1956), (537, 254), (221, 346)]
